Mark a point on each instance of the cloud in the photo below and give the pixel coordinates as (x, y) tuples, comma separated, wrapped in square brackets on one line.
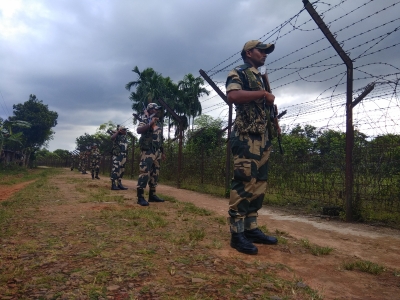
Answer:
[(77, 56)]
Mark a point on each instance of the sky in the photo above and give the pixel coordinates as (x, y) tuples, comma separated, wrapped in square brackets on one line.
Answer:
[(78, 55)]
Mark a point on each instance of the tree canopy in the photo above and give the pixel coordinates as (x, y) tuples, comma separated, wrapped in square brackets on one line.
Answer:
[(41, 119)]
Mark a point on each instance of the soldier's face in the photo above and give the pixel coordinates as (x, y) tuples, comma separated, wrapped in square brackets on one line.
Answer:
[(256, 57)]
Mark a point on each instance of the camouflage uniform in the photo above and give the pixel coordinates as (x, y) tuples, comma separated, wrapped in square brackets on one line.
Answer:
[(250, 143), (83, 162), (150, 158), (150, 143), (119, 154), (95, 162), (73, 157)]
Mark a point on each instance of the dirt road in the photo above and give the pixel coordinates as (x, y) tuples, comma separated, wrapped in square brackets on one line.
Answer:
[(351, 242)]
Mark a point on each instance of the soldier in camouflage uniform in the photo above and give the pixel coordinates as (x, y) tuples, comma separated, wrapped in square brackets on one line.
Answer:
[(82, 162), (95, 161), (119, 154), (250, 143), (150, 142), (73, 157)]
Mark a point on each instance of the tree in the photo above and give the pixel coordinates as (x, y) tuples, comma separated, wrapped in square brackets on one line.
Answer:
[(192, 89), (85, 142), (7, 137), (149, 85), (61, 153), (207, 136), (300, 141), (42, 121)]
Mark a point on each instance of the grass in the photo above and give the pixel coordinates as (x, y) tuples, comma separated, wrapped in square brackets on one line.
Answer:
[(13, 174), (315, 249), (365, 266), (69, 248)]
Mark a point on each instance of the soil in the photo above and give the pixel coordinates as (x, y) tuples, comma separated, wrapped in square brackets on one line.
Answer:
[(7, 191), (325, 274)]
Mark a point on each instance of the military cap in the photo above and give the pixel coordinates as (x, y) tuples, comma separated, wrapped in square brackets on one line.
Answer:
[(153, 106), (259, 45)]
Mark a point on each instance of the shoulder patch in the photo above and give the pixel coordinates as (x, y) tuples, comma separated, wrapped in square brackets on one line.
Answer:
[(242, 67)]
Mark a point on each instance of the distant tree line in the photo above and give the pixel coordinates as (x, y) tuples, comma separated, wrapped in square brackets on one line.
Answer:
[(26, 131)]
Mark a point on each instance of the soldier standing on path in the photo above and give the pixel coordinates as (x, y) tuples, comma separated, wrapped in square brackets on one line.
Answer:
[(95, 161), (73, 157), (119, 154), (250, 143), (82, 161), (150, 143)]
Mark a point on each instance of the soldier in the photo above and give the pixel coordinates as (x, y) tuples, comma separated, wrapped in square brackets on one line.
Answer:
[(119, 153), (95, 161), (150, 142), (82, 162), (72, 160), (250, 143)]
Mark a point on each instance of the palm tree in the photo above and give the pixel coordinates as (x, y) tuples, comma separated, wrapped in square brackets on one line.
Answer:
[(192, 89), (149, 86), (171, 95)]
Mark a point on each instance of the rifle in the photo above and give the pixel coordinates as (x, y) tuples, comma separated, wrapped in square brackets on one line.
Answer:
[(275, 109)]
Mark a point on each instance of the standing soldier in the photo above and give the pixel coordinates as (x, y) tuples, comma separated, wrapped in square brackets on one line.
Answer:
[(250, 142), (119, 153), (82, 162), (73, 157), (95, 161), (152, 152)]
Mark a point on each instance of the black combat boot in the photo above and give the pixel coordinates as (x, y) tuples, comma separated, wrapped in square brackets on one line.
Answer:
[(121, 187), (113, 185), (92, 175), (241, 244), (153, 197), (238, 240), (97, 175), (257, 236), (254, 234), (141, 201)]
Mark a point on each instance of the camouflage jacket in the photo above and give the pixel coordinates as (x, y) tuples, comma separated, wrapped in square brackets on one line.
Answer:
[(95, 153), (120, 145), (152, 139), (254, 117)]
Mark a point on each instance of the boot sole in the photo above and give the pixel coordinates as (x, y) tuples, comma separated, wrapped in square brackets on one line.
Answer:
[(246, 252), (261, 242)]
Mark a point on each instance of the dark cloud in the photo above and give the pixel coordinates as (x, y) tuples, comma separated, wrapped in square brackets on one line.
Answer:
[(77, 55)]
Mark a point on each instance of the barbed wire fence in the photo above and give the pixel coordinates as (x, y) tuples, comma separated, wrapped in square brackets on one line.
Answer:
[(309, 81), (369, 34)]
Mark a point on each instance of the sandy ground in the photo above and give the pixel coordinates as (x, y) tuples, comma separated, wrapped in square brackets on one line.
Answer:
[(350, 241)]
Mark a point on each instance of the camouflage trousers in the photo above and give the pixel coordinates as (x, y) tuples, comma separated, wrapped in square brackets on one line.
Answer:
[(82, 165), (118, 166), (95, 165), (249, 184), (149, 169)]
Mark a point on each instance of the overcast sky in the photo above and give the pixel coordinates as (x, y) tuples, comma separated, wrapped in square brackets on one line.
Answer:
[(77, 55)]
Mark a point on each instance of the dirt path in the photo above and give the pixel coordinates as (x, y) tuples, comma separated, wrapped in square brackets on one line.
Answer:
[(350, 241), (322, 273), (7, 190)]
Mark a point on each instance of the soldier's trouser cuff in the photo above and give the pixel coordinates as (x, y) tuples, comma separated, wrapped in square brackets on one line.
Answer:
[(250, 223), (236, 224)]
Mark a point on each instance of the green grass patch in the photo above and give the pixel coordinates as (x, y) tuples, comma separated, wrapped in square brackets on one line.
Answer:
[(186, 207), (364, 266), (314, 249)]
